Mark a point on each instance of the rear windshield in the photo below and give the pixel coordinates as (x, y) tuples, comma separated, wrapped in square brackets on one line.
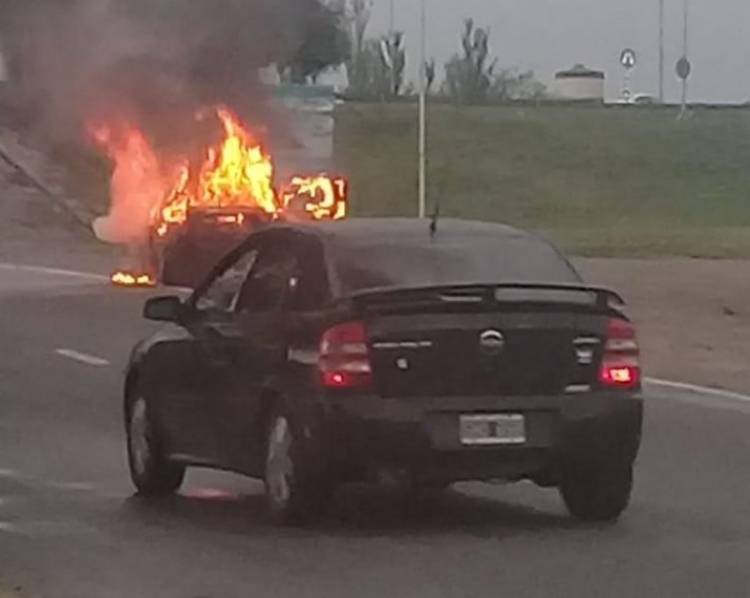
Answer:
[(364, 265)]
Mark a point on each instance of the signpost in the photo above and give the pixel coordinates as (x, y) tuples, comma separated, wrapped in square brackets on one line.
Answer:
[(628, 59), (683, 68)]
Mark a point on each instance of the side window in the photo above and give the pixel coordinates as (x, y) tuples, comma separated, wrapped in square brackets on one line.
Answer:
[(222, 294), (269, 281), (311, 290)]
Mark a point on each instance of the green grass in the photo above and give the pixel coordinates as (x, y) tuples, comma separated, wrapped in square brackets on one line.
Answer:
[(598, 181)]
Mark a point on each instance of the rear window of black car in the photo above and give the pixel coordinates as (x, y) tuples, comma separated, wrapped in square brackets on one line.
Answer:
[(367, 264)]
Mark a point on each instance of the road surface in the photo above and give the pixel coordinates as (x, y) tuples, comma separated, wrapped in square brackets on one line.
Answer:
[(69, 526)]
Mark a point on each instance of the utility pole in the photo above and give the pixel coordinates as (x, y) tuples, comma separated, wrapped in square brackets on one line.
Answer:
[(423, 113), (391, 39), (684, 54), (661, 51)]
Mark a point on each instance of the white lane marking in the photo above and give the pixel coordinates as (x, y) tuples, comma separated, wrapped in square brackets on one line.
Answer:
[(9, 473), (72, 486), (83, 357), (6, 526), (704, 390), (53, 271)]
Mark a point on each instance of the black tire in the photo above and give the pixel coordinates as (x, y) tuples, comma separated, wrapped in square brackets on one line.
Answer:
[(297, 490), (151, 473), (598, 495)]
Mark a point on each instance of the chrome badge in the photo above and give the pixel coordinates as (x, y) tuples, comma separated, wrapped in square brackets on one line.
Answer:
[(491, 342)]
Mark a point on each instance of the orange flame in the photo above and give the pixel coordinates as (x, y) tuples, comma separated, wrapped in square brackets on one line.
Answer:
[(137, 185), (129, 279), (153, 194), (320, 197), (238, 173)]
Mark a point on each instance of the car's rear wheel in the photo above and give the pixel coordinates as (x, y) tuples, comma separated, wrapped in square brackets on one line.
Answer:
[(598, 495), (152, 474), (296, 490)]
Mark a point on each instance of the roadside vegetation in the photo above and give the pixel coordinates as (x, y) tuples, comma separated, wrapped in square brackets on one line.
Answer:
[(599, 181)]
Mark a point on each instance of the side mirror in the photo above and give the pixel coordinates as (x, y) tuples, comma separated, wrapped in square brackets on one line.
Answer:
[(164, 309)]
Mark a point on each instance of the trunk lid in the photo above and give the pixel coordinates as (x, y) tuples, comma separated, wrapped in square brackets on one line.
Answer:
[(493, 340)]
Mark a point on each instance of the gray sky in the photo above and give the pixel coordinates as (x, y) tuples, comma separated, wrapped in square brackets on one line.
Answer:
[(548, 35)]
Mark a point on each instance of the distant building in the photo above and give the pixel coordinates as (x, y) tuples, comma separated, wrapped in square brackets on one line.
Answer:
[(579, 83)]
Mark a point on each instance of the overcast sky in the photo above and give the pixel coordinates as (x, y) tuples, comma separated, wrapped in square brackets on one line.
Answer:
[(549, 35)]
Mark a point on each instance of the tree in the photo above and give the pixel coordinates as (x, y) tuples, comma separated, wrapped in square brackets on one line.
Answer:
[(325, 43), (429, 71), (373, 76), (510, 84), (394, 59), (358, 18), (469, 76)]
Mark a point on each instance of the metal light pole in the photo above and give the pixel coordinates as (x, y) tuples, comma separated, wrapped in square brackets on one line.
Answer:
[(391, 28), (661, 51), (685, 55), (423, 113)]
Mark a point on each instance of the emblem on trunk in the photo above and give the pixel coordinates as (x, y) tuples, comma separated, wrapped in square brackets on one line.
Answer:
[(491, 342)]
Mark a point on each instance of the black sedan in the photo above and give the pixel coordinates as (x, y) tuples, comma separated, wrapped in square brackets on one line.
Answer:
[(387, 349)]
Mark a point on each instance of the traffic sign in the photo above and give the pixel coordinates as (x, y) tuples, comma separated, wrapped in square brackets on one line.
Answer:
[(628, 58), (683, 68)]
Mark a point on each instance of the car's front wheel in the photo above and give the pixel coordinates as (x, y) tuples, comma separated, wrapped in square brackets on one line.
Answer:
[(598, 495), (296, 490), (152, 474)]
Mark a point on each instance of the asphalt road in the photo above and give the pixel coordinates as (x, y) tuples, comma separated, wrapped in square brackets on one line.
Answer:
[(69, 526)]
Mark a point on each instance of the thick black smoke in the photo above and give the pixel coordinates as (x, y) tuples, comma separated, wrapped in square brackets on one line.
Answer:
[(153, 62)]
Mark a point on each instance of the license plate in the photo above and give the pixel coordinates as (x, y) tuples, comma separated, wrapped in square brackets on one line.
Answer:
[(502, 429)]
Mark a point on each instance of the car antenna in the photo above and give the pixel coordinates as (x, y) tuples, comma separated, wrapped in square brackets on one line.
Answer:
[(434, 220)]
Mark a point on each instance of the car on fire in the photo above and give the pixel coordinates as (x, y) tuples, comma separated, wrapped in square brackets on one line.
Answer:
[(183, 254), (386, 349)]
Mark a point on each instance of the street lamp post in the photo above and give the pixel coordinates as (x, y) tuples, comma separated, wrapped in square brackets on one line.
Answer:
[(661, 51), (423, 113), (685, 11), (391, 48)]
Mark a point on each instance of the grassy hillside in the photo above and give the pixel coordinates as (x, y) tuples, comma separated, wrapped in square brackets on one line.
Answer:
[(599, 181)]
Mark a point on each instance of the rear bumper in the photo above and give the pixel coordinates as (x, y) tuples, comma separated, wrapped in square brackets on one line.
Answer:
[(421, 438)]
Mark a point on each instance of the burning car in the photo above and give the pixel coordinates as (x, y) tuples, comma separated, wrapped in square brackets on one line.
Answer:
[(200, 213)]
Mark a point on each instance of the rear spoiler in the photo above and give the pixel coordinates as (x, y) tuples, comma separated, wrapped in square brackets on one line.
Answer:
[(600, 297)]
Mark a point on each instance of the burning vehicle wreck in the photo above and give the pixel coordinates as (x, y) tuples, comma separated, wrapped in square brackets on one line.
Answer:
[(186, 217)]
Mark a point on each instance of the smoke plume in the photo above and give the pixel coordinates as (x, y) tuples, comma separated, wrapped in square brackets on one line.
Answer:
[(150, 63)]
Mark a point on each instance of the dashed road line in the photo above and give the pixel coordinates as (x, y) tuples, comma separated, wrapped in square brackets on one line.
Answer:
[(92, 360), (10, 528), (72, 486)]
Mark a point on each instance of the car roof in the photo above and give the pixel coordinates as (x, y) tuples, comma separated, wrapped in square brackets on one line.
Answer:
[(409, 231), (364, 253)]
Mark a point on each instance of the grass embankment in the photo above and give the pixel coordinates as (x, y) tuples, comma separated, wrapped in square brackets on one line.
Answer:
[(624, 182)]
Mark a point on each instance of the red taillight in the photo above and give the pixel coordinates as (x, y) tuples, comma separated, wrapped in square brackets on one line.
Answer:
[(620, 364), (344, 357)]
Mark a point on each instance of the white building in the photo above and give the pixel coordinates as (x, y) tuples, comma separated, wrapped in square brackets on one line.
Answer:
[(579, 83)]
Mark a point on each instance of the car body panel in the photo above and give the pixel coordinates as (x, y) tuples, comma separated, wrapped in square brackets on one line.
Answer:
[(213, 378)]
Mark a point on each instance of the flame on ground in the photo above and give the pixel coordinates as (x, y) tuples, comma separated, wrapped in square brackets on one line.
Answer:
[(130, 279)]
